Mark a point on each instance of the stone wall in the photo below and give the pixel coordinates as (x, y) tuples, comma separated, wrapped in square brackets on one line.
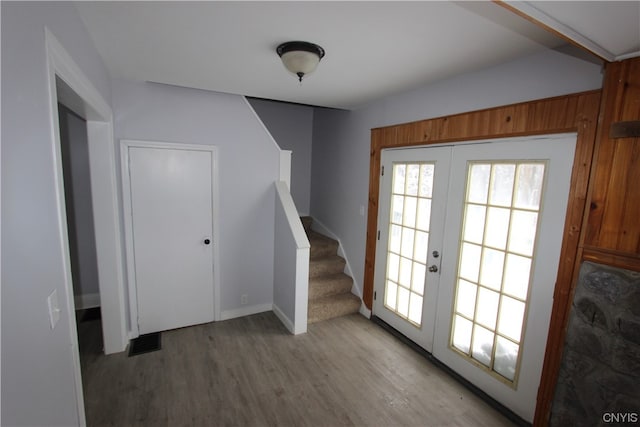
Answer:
[(599, 380)]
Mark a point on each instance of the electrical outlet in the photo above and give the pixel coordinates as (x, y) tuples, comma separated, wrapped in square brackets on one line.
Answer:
[(244, 299), (54, 310)]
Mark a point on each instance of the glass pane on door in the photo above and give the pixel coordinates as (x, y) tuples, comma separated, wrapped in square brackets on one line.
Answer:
[(500, 222), (409, 222)]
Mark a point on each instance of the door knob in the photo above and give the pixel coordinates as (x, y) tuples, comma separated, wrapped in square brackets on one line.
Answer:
[(207, 241), (433, 268)]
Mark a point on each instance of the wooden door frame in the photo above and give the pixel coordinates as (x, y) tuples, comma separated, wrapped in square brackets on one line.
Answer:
[(570, 113), (125, 144)]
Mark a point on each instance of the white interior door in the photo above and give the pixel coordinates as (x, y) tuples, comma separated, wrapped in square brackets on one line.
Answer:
[(171, 225), (502, 233)]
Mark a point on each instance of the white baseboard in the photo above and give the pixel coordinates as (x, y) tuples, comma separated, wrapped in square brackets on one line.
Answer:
[(322, 229), (365, 311), (245, 311), (284, 319), (85, 301)]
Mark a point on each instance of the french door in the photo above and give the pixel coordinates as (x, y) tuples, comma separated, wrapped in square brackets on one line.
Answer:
[(468, 252)]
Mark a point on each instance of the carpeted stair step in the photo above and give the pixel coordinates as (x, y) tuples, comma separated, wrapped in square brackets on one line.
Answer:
[(326, 266), (326, 285), (306, 223), (332, 306), (321, 246), (329, 288)]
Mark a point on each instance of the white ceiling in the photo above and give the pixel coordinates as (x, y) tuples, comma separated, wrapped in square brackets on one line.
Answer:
[(373, 48), (610, 29)]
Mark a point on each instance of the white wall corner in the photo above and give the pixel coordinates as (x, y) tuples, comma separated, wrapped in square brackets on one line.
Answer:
[(365, 311), (288, 323), (285, 167), (302, 291)]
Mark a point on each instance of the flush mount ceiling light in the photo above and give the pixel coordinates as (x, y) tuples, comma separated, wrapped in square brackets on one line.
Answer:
[(300, 58)]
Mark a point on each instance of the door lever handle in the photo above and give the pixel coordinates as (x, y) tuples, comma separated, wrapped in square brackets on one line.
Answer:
[(207, 241), (433, 268)]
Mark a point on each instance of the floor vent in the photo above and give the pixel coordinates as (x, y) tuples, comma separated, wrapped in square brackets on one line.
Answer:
[(145, 344)]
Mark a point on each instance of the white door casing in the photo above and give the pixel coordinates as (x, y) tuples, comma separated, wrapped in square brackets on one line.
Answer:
[(107, 226), (170, 212), (556, 152)]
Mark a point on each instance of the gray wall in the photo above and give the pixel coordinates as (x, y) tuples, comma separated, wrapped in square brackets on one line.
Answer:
[(248, 167), (291, 125), (37, 377), (77, 188), (37, 371), (341, 139)]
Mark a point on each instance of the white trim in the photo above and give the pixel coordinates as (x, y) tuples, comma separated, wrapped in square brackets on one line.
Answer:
[(301, 304), (319, 227), (125, 144), (284, 319), (65, 67), (63, 237), (245, 311), (217, 265), (108, 230), (107, 226), (628, 55), (365, 311), (85, 301), (128, 241), (531, 11), (285, 168), (302, 247), (0, 215), (291, 213), (103, 189)]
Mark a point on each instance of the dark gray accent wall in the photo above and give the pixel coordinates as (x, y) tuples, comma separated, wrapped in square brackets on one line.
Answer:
[(291, 125)]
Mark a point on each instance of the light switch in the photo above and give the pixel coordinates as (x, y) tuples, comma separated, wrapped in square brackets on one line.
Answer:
[(54, 310), (361, 210)]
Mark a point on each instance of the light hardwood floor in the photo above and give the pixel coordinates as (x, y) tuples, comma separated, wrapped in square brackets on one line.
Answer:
[(346, 371)]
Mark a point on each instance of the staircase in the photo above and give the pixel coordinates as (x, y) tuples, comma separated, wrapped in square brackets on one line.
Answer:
[(329, 288)]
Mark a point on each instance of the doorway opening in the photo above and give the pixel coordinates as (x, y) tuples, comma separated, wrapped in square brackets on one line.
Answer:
[(468, 247), (74, 149), (69, 86)]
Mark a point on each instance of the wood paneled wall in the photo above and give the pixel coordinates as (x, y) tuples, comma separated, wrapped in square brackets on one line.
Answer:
[(573, 113), (613, 227), (603, 213)]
